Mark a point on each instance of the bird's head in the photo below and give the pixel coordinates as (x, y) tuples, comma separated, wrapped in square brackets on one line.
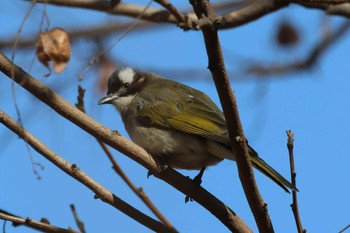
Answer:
[(123, 86)]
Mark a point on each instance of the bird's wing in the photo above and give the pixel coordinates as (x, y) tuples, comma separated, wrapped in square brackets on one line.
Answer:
[(184, 109)]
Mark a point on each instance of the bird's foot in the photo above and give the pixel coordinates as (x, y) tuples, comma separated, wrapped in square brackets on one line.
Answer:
[(197, 180), (161, 168)]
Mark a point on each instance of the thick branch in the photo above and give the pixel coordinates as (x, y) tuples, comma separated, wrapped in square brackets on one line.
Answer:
[(229, 105), (183, 184), (331, 7), (246, 14), (250, 12), (73, 171), (40, 226), (138, 191), (125, 9)]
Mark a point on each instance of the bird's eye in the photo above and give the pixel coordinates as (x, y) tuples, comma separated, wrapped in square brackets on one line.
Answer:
[(126, 85)]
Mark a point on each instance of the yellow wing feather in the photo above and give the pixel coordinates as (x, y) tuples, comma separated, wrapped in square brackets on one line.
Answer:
[(193, 111)]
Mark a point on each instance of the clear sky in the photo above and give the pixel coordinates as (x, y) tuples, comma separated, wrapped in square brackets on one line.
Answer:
[(314, 104)]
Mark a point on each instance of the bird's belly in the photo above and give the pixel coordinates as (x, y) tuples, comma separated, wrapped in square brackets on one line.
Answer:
[(174, 148)]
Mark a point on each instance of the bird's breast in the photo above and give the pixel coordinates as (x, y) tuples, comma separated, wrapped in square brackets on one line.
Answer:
[(174, 148)]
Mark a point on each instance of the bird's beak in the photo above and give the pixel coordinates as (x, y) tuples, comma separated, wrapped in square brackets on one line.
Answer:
[(107, 99)]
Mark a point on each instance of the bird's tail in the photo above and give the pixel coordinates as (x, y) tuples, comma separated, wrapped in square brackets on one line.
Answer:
[(267, 170)]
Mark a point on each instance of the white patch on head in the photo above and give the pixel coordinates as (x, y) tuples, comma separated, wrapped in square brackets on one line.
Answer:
[(126, 75), (122, 103)]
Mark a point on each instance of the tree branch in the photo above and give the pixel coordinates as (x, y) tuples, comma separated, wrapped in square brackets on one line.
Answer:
[(40, 226), (138, 191), (125, 9), (230, 219), (331, 7), (81, 33), (181, 19), (294, 205), (80, 224), (309, 61), (246, 14), (252, 11), (73, 171), (229, 104)]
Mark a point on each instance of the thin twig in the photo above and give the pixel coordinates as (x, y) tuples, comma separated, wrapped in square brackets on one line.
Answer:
[(185, 185), (138, 191), (104, 30), (344, 229), (4, 226), (96, 58), (20, 29), (80, 224), (13, 91), (294, 205), (306, 63), (181, 19), (43, 17), (172, 10), (250, 12), (37, 225), (76, 173)]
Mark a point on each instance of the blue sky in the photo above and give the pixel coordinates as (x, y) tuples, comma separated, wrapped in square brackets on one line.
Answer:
[(313, 104)]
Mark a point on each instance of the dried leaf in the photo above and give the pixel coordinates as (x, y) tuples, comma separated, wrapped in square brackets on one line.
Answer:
[(287, 34), (54, 46)]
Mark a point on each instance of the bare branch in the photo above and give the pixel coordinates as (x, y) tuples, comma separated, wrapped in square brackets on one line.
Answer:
[(339, 9), (250, 12), (138, 191), (81, 33), (40, 226), (344, 229), (309, 61), (332, 7), (229, 105), (230, 219), (125, 9), (73, 171), (181, 19), (96, 58), (13, 91), (294, 205), (79, 223)]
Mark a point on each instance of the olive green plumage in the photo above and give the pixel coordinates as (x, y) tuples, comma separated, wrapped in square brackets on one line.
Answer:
[(176, 123), (195, 113)]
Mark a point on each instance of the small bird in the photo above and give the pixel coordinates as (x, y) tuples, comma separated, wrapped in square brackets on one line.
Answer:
[(178, 125)]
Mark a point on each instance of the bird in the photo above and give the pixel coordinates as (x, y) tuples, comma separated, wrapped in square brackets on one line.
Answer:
[(177, 124)]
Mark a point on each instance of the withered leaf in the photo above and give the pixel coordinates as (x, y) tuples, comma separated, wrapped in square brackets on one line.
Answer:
[(54, 46)]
